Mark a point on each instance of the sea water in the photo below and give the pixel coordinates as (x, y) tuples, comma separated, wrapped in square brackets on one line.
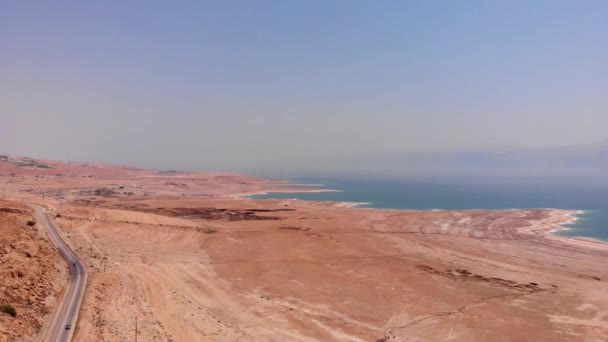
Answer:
[(396, 194)]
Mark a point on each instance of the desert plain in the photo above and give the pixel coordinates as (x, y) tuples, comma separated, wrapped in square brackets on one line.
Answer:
[(183, 256)]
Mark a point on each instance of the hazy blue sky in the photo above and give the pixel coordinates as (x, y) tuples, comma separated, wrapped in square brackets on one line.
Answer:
[(255, 84)]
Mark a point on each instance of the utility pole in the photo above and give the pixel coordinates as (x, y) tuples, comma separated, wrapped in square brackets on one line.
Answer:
[(103, 259)]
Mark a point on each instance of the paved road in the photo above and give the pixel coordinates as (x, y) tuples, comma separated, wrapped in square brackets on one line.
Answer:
[(69, 307)]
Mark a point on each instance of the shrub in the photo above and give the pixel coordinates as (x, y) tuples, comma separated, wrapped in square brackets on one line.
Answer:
[(31, 223), (8, 309)]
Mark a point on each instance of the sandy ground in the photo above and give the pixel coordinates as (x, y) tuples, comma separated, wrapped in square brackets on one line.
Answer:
[(32, 274), (186, 261)]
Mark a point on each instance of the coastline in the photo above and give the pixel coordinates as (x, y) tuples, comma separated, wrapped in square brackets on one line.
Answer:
[(576, 241), (544, 228), (571, 215), (550, 229), (246, 195)]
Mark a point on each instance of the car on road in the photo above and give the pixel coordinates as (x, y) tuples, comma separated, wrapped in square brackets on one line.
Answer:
[(68, 327)]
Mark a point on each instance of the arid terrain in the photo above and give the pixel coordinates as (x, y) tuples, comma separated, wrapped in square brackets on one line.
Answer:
[(31, 273), (182, 257)]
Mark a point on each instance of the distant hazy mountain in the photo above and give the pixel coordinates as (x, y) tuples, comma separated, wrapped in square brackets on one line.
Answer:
[(582, 162)]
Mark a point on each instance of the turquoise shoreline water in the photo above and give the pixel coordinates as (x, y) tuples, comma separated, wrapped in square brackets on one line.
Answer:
[(383, 194)]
